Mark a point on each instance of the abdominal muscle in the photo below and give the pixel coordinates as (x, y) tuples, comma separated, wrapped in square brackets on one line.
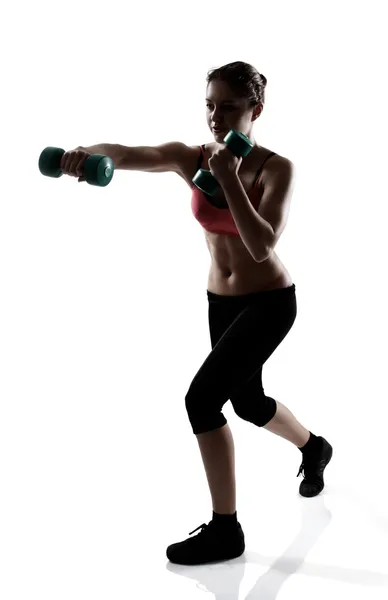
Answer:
[(234, 272)]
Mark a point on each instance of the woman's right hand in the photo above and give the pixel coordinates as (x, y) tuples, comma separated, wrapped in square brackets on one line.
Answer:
[(73, 161)]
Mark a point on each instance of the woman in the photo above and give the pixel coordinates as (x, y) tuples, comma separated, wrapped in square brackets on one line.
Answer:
[(252, 301)]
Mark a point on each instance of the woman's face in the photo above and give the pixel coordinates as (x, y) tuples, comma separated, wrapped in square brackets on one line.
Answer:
[(226, 111)]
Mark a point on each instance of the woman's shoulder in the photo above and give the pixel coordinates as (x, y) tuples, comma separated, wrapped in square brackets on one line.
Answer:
[(272, 158)]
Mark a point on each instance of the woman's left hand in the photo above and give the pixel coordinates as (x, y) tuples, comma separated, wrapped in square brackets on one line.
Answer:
[(224, 164)]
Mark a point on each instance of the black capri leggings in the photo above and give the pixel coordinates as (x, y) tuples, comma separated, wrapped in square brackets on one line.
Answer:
[(244, 331)]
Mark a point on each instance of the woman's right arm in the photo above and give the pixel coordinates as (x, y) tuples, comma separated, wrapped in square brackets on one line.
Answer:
[(154, 159)]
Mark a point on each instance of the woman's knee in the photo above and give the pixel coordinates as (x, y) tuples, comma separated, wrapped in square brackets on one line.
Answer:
[(259, 410), (203, 415)]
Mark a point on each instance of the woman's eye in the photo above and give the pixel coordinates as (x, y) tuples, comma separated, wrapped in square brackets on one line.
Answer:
[(225, 107)]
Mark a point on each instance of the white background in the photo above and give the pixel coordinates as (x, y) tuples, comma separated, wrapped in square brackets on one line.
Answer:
[(103, 307)]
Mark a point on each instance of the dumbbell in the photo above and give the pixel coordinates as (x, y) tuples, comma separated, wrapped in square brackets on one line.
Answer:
[(97, 170), (240, 145)]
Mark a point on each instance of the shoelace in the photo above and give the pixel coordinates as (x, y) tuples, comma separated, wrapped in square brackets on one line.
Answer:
[(203, 527), (301, 468)]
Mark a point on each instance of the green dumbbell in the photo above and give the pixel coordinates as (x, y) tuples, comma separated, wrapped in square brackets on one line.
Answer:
[(97, 170), (240, 145)]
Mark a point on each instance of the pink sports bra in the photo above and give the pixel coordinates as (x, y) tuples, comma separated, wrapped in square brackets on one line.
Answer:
[(209, 212)]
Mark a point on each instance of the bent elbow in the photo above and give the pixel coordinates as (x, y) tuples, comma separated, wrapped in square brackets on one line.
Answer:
[(264, 256)]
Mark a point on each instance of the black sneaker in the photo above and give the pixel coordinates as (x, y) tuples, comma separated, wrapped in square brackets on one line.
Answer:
[(214, 543), (313, 465)]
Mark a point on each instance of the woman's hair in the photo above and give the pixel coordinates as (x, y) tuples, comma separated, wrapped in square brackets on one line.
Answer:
[(243, 79)]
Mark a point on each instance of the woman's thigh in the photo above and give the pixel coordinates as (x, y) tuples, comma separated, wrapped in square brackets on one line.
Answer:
[(247, 341)]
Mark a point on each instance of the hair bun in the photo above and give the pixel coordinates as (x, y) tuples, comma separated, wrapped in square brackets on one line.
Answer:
[(264, 79)]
